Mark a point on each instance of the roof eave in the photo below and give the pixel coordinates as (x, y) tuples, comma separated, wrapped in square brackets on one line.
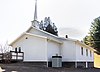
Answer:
[(86, 46)]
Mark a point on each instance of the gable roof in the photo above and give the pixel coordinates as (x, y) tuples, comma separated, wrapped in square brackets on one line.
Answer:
[(84, 45), (23, 34), (49, 34), (58, 39), (51, 39)]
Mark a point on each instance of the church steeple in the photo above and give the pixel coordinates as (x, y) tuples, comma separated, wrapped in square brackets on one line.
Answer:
[(35, 22), (35, 12)]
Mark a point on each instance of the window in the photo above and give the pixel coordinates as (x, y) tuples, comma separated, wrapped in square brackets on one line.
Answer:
[(19, 49), (90, 54), (81, 50), (86, 52)]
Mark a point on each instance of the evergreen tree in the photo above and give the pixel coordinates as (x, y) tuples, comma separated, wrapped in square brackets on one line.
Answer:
[(88, 41), (93, 39), (51, 30)]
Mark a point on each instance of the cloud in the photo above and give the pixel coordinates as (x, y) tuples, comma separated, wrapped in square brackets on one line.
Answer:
[(71, 32)]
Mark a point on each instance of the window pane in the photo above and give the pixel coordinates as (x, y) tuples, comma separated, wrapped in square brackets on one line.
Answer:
[(81, 50), (86, 52), (90, 54)]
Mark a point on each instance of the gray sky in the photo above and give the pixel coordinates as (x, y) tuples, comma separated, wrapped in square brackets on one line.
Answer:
[(72, 17)]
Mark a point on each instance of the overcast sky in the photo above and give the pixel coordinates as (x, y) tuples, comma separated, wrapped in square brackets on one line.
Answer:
[(72, 17)]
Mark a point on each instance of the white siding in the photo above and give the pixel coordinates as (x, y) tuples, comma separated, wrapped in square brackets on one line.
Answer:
[(41, 49), (38, 32), (53, 49), (68, 51), (34, 48), (84, 57)]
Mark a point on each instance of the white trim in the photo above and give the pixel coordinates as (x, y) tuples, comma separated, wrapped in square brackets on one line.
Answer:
[(86, 65), (55, 40), (36, 35), (84, 45), (26, 34), (76, 64), (68, 39), (34, 60), (49, 39), (51, 34), (84, 61), (77, 61), (46, 54)]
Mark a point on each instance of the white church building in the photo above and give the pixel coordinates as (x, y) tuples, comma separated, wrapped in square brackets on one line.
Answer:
[(39, 45)]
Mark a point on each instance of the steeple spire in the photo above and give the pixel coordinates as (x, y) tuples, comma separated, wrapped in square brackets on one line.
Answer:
[(35, 23), (35, 12)]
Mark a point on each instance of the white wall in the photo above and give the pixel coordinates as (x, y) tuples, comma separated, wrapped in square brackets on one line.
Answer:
[(53, 48), (38, 32), (71, 51), (68, 51), (41, 49), (84, 57), (34, 48)]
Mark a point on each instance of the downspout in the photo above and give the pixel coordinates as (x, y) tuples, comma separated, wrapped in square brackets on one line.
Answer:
[(75, 56), (47, 51)]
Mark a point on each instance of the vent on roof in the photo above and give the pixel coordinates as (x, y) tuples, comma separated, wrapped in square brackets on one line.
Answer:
[(26, 38), (66, 36)]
